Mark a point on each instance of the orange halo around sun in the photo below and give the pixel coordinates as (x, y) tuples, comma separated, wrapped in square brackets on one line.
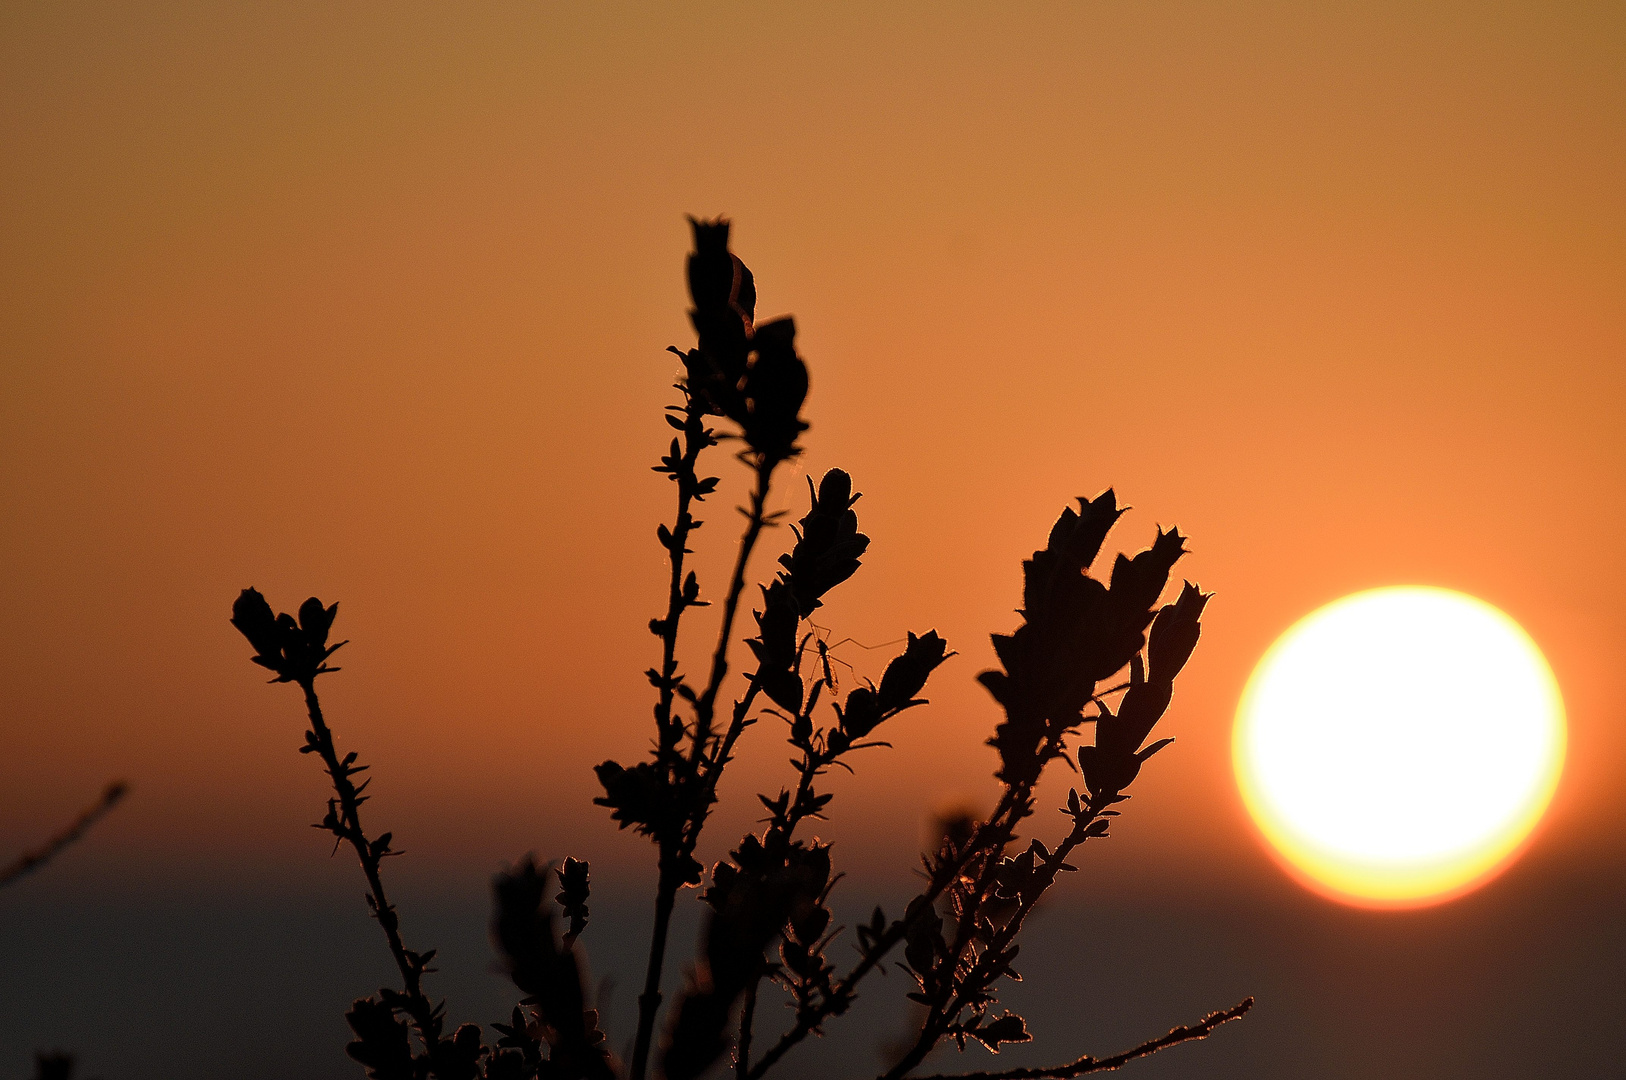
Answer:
[(1397, 747)]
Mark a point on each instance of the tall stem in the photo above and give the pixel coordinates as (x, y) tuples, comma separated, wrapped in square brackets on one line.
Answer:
[(675, 854), (696, 437), (349, 801), (649, 1002)]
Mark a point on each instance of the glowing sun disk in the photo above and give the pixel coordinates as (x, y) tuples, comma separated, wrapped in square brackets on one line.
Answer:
[(1396, 747)]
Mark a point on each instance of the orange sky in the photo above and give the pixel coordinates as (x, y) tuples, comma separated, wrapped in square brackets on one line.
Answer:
[(371, 303)]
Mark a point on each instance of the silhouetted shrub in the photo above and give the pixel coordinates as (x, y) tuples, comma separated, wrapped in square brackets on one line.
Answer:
[(768, 925)]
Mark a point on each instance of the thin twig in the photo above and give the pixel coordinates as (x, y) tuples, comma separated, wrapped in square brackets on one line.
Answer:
[(712, 768), (30, 861), (705, 705), (1087, 1064), (649, 1002), (696, 438)]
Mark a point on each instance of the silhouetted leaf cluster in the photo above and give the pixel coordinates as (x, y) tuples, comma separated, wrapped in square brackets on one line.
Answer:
[(295, 649), (828, 543), (867, 707), (1076, 632), (748, 373), (1114, 761), (960, 933), (767, 926), (572, 897)]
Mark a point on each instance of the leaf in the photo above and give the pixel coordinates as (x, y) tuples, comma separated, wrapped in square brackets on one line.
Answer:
[(1009, 1028)]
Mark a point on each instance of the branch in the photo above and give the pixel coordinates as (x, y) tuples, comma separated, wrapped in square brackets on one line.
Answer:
[(712, 767), (1015, 804), (675, 857), (30, 861), (681, 594), (705, 706), (994, 833), (985, 969), (1202, 1029), (649, 1002), (345, 825), (937, 1016)]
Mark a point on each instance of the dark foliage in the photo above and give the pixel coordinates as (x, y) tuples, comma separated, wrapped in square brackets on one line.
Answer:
[(295, 650), (828, 543), (767, 927), (748, 373), (546, 970)]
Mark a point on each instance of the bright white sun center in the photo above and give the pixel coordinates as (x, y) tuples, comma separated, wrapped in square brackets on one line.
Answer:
[(1397, 746)]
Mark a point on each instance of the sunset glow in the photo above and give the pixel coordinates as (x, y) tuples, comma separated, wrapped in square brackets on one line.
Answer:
[(1397, 746)]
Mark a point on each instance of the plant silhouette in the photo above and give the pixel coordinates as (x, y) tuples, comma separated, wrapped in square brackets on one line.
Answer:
[(768, 925)]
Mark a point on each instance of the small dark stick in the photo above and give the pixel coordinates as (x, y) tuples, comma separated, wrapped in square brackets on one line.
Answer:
[(30, 861), (1202, 1029)]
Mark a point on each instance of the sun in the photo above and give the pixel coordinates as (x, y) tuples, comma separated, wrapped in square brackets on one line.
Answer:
[(1397, 746)]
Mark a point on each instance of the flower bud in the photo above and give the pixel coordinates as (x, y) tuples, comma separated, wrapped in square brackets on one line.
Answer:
[(906, 675)]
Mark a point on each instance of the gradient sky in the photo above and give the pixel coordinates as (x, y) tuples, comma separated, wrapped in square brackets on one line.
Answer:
[(370, 301)]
